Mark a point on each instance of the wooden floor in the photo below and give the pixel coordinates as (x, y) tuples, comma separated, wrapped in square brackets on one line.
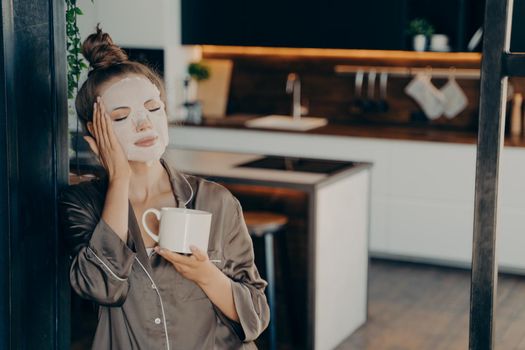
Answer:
[(418, 307)]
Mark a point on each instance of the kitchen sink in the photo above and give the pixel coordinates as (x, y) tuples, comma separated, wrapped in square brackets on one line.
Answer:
[(320, 166), (285, 122)]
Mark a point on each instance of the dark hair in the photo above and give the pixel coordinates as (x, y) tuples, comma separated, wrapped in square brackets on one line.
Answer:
[(106, 61)]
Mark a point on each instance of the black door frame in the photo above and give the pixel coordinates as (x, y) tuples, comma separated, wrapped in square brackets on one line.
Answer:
[(34, 293), (497, 65)]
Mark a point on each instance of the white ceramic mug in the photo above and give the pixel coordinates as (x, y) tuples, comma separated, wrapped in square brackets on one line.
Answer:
[(179, 228), (439, 42)]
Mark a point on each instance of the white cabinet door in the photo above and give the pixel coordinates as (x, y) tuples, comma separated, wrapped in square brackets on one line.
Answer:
[(431, 230), (378, 241), (512, 177), (511, 219), (430, 170), (511, 238)]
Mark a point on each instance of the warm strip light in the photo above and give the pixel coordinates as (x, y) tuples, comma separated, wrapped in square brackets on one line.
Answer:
[(467, 57)]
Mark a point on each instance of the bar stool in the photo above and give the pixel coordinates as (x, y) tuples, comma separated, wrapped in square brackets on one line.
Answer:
[(266, 225)]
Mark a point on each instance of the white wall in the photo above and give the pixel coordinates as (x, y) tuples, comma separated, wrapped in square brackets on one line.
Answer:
[(131, 23)]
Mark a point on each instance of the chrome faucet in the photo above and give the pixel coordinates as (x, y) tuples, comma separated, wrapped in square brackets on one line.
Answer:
[(293, 86)]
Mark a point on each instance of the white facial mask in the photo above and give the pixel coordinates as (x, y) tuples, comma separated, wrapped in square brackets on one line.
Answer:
[(141, 123)]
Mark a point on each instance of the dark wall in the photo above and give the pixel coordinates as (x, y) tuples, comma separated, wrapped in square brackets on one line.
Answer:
[(33, 168)]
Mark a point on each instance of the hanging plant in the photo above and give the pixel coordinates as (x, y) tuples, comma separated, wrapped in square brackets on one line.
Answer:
[(75, 64)]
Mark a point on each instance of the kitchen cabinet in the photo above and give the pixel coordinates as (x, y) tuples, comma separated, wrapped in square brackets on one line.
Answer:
[(294, 23), (422, 193), (375, 24)]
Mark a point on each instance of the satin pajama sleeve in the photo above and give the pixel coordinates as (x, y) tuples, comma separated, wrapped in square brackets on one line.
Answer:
[(247, 286), (101, 261)]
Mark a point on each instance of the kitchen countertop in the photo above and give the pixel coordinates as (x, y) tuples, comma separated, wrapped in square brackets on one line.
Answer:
[(421, 133), (225, 165)]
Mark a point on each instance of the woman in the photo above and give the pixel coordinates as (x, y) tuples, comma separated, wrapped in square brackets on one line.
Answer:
[(150, 298)]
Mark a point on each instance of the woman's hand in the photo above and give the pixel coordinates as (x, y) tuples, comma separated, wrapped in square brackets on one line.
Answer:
[(197, 267), (105, 144), (202, 271)]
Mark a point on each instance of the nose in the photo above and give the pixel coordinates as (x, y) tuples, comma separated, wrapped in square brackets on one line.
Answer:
[(142, 121)]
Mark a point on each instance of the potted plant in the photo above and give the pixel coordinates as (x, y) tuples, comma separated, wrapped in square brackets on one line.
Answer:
[(192, 109), (420, 30)]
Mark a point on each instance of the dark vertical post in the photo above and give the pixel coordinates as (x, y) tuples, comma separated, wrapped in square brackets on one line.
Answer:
[(490, 141), (5, 280), (33, 167)]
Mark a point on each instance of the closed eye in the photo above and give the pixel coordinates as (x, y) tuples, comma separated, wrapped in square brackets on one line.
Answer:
[(120, 119), (120, 114), (153, 105)]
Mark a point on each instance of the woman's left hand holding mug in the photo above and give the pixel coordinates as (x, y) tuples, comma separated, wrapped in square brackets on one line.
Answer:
[(196, 267), (199, 269)]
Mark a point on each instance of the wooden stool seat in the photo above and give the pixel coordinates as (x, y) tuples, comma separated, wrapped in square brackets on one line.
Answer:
[(260, 223)]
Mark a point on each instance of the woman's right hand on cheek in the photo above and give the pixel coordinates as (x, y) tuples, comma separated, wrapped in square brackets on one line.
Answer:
[(106, 146)]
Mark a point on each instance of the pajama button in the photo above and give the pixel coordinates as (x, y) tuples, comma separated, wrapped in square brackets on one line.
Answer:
[(153, 286), (157, 320)]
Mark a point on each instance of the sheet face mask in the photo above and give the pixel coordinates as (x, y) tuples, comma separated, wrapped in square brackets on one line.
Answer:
[(133, 92)]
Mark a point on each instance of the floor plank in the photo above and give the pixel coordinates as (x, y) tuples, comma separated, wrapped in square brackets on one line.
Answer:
[(418, 307)]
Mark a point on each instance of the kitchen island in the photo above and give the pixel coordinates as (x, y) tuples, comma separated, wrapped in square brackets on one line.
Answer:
[(335, 196)]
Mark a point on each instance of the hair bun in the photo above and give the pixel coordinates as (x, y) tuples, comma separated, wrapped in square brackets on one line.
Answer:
[(101, 52)]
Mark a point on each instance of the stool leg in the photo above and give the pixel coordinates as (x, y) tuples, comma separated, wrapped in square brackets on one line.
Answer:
[(270, 276), (289, 290)]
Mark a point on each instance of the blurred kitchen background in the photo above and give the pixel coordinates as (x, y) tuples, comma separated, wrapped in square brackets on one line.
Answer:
[(348, 131)]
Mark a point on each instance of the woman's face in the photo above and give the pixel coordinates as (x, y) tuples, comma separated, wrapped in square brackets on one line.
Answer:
[(138, 116)]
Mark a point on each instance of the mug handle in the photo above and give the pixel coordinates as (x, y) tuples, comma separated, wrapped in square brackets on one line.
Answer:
[(148, 231)]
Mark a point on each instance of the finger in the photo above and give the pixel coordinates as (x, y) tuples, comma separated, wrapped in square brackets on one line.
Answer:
[(173, 257), (94, 131), (98, 128), (92, 144), (105, 123), (198, 254), (164, 253), (112, 139)]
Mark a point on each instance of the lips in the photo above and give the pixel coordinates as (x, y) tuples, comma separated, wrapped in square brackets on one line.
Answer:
[(147, 141)]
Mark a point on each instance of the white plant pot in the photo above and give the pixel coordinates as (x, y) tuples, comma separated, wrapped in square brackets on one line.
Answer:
[(420, 42)]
